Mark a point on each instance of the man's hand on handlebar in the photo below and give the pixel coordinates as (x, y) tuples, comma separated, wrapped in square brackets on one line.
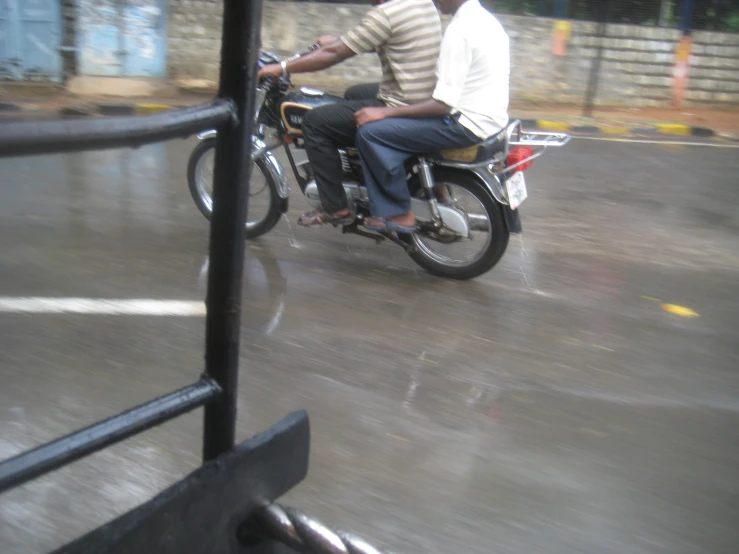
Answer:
[(271, 70), (275, 69)]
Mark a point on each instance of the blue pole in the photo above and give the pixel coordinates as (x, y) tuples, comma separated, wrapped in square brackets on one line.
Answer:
[(687, 16), (560, 8)]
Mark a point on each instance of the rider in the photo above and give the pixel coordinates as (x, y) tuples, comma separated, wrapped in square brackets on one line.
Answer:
[(406, 34), (469, 104)]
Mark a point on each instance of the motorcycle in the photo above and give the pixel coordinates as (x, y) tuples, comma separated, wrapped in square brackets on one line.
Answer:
[(465, 200)]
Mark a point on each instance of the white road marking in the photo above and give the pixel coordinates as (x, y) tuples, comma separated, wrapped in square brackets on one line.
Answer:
[(671, 142), (100, 306)]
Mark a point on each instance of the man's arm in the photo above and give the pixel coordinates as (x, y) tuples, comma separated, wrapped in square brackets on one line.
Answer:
[(427, 108), (452, 70), (319, 59), (373, 31)]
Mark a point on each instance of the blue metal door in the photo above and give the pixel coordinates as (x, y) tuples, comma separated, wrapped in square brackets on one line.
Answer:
[(122, 37), (30, 35), (99, 38), (145, 38)]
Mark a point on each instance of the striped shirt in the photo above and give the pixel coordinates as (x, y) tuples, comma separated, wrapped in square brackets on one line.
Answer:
[(406, 34)]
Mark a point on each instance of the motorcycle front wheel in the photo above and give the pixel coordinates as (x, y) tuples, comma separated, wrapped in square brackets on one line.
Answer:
[(463, 258), (264, 202)]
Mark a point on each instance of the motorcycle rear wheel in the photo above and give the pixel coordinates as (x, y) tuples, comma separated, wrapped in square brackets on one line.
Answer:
[(443, 264), (260, 219)]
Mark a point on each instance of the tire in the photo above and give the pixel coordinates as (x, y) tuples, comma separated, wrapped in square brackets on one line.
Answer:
[(204, 203), (498, 233)]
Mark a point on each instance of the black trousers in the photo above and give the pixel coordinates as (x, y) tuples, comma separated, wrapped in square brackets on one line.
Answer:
[(328, 128)]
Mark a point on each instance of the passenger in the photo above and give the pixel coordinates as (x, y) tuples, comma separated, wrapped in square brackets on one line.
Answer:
[(468, 105)]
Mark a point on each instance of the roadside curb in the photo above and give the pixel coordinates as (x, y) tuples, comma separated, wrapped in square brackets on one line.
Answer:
[(96, 109), (674, 129), (8, 107), (92, 109), (114, 109)]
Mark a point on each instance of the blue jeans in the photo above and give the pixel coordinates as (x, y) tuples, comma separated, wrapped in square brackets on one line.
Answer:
[(385, 145)]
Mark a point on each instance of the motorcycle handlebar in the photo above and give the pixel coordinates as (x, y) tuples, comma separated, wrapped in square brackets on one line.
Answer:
[(270, 80), (308, 50)]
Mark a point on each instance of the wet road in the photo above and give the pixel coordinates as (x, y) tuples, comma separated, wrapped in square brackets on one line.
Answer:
[(553, 405)]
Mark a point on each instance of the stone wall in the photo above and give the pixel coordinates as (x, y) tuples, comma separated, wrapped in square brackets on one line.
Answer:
[(635, 70), (194, 39), (637, 65)]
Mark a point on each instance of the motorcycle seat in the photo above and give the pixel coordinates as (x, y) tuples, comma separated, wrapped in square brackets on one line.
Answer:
[(476, 153)]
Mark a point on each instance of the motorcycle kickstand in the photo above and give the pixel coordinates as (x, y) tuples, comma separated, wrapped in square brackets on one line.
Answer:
[(409, 248), (353, 229), (378, 238)]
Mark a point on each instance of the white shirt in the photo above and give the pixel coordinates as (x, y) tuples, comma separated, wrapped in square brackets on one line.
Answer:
[(474, 69)]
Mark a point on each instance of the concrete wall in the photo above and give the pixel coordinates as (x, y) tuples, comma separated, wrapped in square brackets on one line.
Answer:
[(194, 39), (69, 60), (636, 67)]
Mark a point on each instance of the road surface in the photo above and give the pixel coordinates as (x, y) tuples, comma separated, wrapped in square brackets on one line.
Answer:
[(581, 397)]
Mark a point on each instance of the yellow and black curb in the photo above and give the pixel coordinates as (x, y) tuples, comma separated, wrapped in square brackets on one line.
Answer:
[(115, 109), (674, 129)]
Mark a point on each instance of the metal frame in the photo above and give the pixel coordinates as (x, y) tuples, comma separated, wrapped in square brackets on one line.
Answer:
[(226, 504), (541, 139), (231, 113)]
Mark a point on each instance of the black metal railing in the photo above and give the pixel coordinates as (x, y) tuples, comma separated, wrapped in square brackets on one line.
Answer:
[(25, 138), (229, 113), (48, 457), (226, 503)]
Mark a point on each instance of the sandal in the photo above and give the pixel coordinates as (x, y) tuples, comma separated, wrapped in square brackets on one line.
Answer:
[(321, 217), (390, 225)]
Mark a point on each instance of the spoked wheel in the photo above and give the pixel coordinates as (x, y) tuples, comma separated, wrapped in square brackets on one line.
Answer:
[(263, 209), (458, 257)]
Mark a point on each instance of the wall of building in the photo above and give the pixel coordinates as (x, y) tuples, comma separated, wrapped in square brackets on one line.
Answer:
[(636, 65), (69, 17)]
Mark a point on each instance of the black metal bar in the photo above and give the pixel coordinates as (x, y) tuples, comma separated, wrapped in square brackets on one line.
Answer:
[(22, 138), (204, 511), (24, 467), (239, 56), (595, 68)]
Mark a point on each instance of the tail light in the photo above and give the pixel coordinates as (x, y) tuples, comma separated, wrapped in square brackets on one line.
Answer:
[(519, 154)]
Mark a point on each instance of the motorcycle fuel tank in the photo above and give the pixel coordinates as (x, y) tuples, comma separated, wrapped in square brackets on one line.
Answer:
[(294, 106)]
